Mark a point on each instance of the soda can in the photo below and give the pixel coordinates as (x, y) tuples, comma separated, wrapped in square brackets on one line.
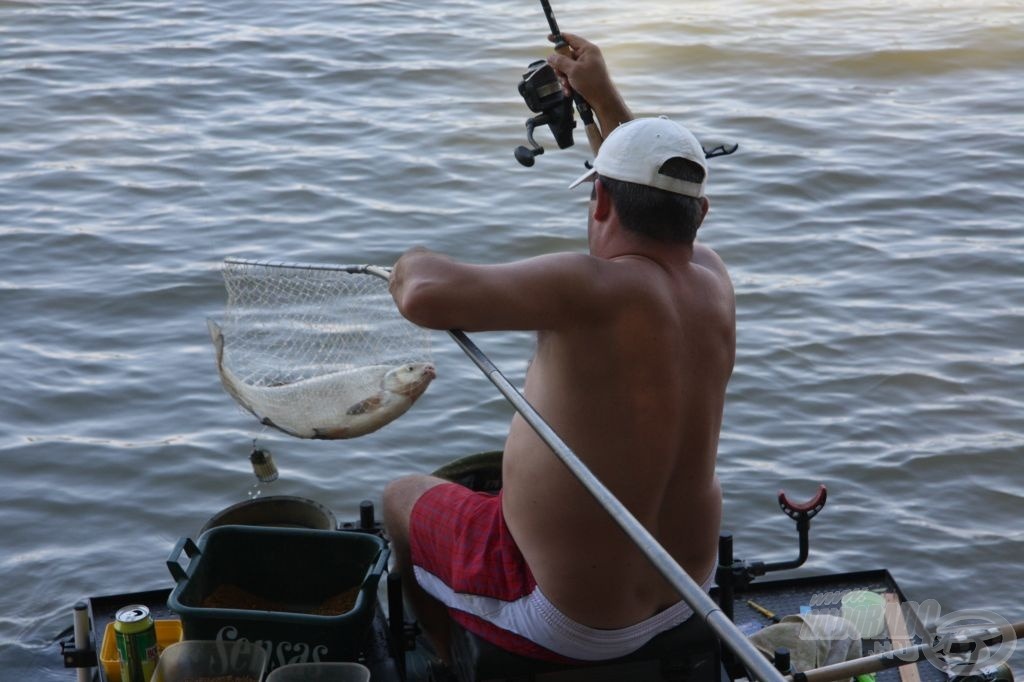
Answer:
[(135, 634)]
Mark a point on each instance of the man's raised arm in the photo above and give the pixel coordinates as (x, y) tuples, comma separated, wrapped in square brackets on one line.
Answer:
[(546, 292)]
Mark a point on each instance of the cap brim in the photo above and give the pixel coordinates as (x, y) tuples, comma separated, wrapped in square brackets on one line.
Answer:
[(589, 175)]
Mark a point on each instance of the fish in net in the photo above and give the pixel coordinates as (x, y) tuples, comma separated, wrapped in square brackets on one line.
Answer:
[(318, 351)]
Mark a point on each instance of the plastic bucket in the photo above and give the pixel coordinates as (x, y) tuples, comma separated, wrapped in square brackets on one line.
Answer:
[(280, 511), (866, 611)]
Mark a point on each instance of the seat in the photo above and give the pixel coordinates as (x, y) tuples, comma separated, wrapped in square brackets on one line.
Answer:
[(689, 652)]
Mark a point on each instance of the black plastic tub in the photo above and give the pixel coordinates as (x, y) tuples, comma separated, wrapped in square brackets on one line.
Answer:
[(284, 589)]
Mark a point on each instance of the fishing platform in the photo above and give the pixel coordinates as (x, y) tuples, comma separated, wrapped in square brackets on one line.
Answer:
[(298, 554)]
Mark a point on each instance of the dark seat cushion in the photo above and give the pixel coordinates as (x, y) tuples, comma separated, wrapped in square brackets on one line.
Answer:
[(689, 651)]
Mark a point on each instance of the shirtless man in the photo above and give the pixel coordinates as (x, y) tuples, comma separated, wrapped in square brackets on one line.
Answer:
[(635, 346)]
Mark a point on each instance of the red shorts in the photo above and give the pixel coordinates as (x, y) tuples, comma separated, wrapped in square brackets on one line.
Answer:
[(464, 556), (462, 548)]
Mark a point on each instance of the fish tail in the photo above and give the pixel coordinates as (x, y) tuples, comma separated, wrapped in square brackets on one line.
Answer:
[(227, 379), (218, 340)]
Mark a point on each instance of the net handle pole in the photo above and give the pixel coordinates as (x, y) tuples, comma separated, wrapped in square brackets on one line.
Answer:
[(698, 600), (375, 270)]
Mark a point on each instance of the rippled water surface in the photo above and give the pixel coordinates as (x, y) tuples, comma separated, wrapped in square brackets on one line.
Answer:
[(871, 221)]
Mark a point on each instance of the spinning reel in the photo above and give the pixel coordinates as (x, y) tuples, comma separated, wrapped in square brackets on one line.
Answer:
[(543, 94)]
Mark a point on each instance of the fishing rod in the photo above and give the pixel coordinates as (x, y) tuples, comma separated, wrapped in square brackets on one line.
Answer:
[(543, 94), (965, 641)]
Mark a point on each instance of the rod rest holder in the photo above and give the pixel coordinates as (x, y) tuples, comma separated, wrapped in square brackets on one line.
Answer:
[(735, 573), (802, 515), (367, 523)]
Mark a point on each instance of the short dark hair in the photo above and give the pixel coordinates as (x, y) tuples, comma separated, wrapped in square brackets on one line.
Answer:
[(658, 213)]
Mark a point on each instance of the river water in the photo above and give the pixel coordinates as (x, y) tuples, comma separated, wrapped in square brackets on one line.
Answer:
[(871, 220)]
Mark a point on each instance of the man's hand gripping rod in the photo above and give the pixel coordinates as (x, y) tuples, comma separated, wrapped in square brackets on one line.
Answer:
[(582, 106)]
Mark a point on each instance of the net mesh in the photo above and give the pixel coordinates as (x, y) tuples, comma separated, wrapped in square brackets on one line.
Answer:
[(295, 338)]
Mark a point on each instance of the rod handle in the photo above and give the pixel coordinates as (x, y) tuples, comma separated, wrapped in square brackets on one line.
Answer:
[(594, 137)]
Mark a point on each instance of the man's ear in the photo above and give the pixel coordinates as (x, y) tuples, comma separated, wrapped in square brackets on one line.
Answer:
[(705, 205), (604, 201)]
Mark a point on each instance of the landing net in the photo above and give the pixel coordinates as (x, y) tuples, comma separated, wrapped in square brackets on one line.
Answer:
[(318, 351)]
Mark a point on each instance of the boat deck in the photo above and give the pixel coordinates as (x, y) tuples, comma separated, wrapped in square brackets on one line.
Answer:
[(818, 594)]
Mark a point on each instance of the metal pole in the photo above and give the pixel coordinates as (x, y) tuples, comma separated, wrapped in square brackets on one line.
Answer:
[(82, 637)]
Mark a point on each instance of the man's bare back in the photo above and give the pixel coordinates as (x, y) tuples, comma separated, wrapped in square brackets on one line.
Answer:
[(639, 399)]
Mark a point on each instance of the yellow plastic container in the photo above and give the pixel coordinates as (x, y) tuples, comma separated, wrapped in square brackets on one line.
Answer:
[(168, 632)]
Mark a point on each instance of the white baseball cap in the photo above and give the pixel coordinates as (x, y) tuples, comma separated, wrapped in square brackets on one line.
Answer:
[(636, 150)]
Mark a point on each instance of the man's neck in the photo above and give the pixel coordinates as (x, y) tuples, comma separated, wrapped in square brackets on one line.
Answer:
[(626, 244)]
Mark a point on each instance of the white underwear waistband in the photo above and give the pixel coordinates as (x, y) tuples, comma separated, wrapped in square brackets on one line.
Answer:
[(536, 618)]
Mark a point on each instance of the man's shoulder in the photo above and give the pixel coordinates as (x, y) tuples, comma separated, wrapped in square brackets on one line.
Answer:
[(706, 257)]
